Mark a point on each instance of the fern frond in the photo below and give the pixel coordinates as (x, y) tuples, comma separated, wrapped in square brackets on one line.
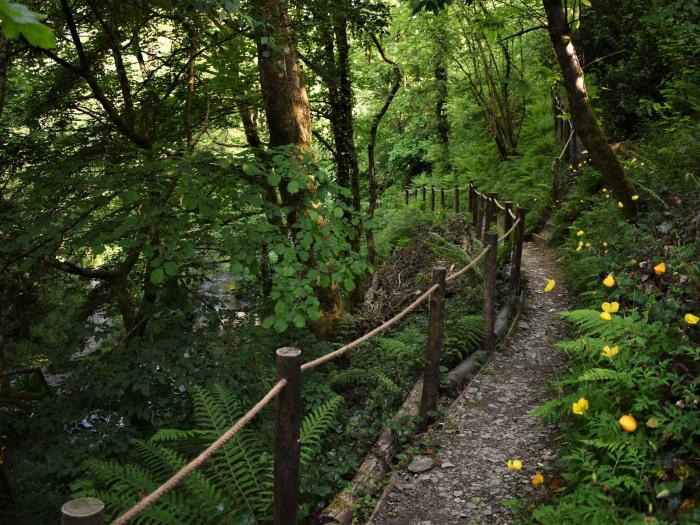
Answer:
[(315, 425)]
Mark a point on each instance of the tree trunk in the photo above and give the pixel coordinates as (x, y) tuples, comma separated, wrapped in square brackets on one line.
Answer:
[(443, 125), (373, 185), (281, 81), (585, 123)]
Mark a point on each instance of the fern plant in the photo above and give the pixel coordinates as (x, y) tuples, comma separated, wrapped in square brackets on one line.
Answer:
[(233, 487)]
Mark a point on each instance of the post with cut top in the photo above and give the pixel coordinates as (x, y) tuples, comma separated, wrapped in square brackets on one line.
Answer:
[(490, 210), (423, 193), (507, 225), (490, 241), (287, 438), (472, 202), (432, 198), (83, 511), (517, 252), (442, 198), (456, 199), (431, 374), (479, 216), (405, 194), (415, 193)]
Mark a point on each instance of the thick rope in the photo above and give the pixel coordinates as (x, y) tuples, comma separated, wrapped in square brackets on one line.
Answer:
[(196, 462), (505, 235), (510, 212), (357, 342), (469, 266), (498, 204)]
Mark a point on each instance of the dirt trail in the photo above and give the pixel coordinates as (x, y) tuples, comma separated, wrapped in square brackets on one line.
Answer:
[(488, 423)]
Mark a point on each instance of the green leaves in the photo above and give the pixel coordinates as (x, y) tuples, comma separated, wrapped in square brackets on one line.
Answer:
[(157, 276), (17, 19)]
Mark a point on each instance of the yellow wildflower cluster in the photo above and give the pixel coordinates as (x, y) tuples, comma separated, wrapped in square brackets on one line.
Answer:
[(610, 351), (579, 408), (514, 464), (608, 310)]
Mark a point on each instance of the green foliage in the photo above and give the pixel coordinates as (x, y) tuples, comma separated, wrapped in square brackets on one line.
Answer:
[(16, 19), (235, 485)]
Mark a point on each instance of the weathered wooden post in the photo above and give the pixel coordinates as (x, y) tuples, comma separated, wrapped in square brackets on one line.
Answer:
[(480, 208), (415, 193), (405, 193), (431, 374), (423, 193), (287, 438), (517, 252), (83, 511), (432, 198), (490, 210), (442, 198), (507, 225), (472, 202), (456, 199), (556, 179), (491, 240)]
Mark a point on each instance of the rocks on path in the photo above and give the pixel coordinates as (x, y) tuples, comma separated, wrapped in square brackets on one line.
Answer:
[(488, 423)]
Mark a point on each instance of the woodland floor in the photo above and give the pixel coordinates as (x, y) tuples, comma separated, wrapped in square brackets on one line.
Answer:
[(489, 423)]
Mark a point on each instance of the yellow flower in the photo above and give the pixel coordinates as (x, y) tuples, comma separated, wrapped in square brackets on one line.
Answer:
[(611, 308), (660, 268), (537, 479), (605, 316), (610, 352), (514, 464), (628, 423), (620, 205), (605, 245), (635, 197), (607, 195), (580, 406), (580, 246), (691, 319), (588, 245), (609, 281), (580, 233), (682, 471), (605, 190), (550, 285), (315, 205)]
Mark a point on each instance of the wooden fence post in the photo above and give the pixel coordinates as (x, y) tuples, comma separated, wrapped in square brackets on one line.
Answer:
[(456, 199), (480, 209), (423, 193), (507, 225), (442, 198), (517, 252), (490, 210), (491, 240), (432, 198), (415, 193), (472, 202), (287, 438), (405, 193), (431, 374), (83, 511)]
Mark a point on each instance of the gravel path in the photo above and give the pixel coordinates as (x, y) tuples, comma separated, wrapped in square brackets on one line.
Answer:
[(488, 423)]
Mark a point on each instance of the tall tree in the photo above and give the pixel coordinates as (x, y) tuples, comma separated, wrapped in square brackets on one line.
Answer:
[(585, 122)]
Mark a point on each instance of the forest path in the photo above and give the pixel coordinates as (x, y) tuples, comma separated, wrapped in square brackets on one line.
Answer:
[(488, 423)]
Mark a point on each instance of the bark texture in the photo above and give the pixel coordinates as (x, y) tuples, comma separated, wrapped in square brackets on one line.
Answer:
[(587, 126)]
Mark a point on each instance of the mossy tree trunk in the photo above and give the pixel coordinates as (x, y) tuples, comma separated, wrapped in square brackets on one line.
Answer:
[(585, 123)]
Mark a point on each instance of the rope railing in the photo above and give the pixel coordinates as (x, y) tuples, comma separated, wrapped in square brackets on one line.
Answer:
[(484, 213), (181, 474), (369, 335), (507, 234), (469, 266)]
